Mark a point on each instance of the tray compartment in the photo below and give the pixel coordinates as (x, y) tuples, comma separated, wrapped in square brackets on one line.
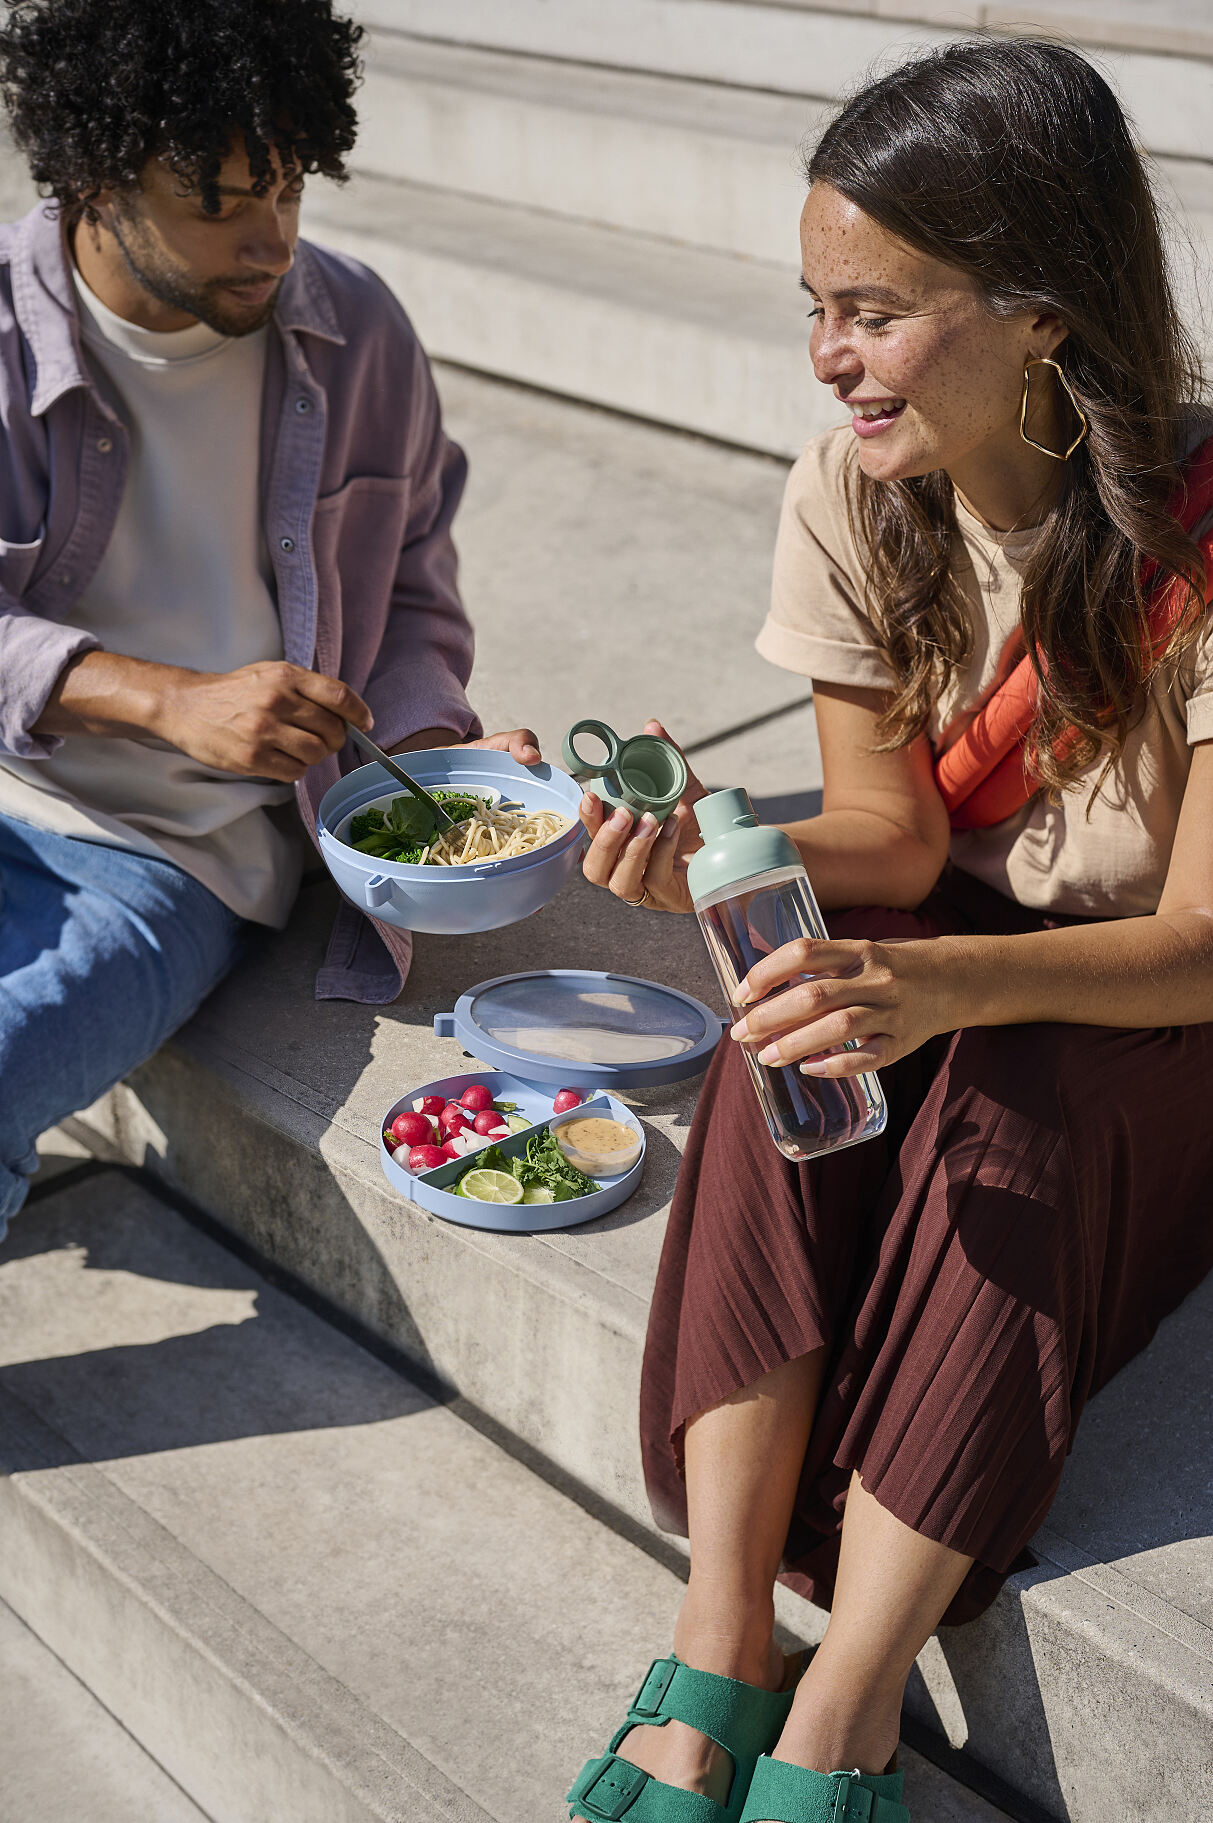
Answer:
[(430, 1188)]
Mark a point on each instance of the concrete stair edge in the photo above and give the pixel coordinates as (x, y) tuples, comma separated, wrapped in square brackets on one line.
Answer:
[(304, 1748), (752, 45), (331, 1496), (464, 1307), (1112, 29), (694, 163), (676, 335)]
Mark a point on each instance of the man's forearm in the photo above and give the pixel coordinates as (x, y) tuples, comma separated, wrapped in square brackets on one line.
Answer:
[(107, 693), (1150, 971)]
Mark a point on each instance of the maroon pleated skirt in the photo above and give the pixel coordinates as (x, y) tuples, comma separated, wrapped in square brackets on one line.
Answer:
[(1038, 1202)]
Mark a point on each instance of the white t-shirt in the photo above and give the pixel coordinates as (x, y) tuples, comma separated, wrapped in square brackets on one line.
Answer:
[(186, 580)]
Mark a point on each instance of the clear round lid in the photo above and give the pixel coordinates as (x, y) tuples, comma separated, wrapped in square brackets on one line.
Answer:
[(603, 1028)]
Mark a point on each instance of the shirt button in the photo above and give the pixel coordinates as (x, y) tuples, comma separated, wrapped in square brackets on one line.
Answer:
[(303, 406), (104, 445), (288, 544)]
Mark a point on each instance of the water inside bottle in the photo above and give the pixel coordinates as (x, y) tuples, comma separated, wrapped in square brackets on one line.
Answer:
[(806, 1114)]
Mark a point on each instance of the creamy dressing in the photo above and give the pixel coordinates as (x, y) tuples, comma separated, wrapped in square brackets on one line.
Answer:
[(597, 1137)]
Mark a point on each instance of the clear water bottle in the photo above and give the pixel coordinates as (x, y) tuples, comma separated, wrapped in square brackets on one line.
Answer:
[(751, 896)]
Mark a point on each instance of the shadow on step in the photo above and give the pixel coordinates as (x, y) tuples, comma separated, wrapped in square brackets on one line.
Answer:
[(141, 1335)]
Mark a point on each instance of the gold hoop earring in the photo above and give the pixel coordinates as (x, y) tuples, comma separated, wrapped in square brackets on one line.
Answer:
[(1080, 414)]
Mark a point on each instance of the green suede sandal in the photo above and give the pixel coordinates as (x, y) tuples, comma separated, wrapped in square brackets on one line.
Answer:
[(782, 1793), (743, 1719)]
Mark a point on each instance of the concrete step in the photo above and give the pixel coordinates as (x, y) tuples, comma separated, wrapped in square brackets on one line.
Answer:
[(670, 333), (690, 162), (622, 238), (826, 51), (306, 1589), (589, 541), (65, 1757)]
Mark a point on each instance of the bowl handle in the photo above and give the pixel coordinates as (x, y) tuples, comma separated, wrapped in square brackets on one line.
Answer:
[(444, 1025), (377, 890)]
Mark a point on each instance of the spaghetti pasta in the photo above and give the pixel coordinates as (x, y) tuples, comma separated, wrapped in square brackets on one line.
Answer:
[(495, 835)]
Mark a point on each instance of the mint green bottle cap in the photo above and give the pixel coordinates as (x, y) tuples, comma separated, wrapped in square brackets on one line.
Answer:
[(736, 847)]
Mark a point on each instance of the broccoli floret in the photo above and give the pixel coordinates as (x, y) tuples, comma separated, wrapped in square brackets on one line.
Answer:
[(365, 823)]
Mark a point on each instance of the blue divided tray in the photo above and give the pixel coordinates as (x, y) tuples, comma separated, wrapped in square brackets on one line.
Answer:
[(430, 1188)]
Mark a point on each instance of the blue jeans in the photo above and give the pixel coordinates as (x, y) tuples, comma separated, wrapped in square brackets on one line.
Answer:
[(103, 954)]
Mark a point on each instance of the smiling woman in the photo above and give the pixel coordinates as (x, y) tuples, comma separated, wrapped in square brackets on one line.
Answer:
[(864, 1373), (1063, 318)]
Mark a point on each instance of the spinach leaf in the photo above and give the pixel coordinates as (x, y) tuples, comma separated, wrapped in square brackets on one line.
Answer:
[(412, 820)]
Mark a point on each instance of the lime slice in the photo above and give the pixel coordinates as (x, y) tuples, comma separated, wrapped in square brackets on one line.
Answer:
[(491, 1187), (518, 1123), (538, 1193)]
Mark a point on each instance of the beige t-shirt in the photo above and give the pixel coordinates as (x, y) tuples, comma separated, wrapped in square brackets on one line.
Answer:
[(1112, 863), (185, 580)]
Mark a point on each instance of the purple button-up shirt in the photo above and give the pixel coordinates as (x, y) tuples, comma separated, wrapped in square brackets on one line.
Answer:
[(359, 485)]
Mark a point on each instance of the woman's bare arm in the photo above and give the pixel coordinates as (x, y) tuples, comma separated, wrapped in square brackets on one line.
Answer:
[(882, 835), (1127, 972), (889, 998)]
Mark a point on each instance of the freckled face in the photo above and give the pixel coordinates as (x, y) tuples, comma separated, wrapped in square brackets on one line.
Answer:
[(905, 340)]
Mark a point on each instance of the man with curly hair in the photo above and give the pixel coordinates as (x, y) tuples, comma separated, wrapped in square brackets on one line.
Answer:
[(225, 509)]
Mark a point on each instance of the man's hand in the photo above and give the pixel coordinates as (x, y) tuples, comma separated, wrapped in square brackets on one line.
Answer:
[(267, 720), (522, 744)]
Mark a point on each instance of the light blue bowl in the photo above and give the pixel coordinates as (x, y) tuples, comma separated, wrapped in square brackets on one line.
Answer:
[(452, 901)]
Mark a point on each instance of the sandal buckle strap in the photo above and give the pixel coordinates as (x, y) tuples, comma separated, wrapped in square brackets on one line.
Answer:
[(651, 1695), (607, 1788), (854, 1803)]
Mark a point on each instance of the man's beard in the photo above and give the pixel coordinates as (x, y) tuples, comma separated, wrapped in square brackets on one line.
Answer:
[(170, 286)]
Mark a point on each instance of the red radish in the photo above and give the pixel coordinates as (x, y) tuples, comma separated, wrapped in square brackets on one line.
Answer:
[(412, 1130), (453, 1119), (566, 1099), (430, 1104), (451, 1150), (389, 1139), (477, 1098), (426, 1158), (489, 1121)]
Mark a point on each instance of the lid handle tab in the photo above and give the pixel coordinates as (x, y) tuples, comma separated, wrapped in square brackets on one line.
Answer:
[(583, 768)]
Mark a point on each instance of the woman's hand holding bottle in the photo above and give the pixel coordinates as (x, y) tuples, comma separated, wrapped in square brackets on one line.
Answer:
[(851, 1005), (644, 861)]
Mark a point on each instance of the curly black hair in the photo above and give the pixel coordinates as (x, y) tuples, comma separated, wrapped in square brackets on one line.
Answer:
[(97, 88)]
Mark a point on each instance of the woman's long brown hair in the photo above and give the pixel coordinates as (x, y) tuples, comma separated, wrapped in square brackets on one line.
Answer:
[(1013, 161)]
